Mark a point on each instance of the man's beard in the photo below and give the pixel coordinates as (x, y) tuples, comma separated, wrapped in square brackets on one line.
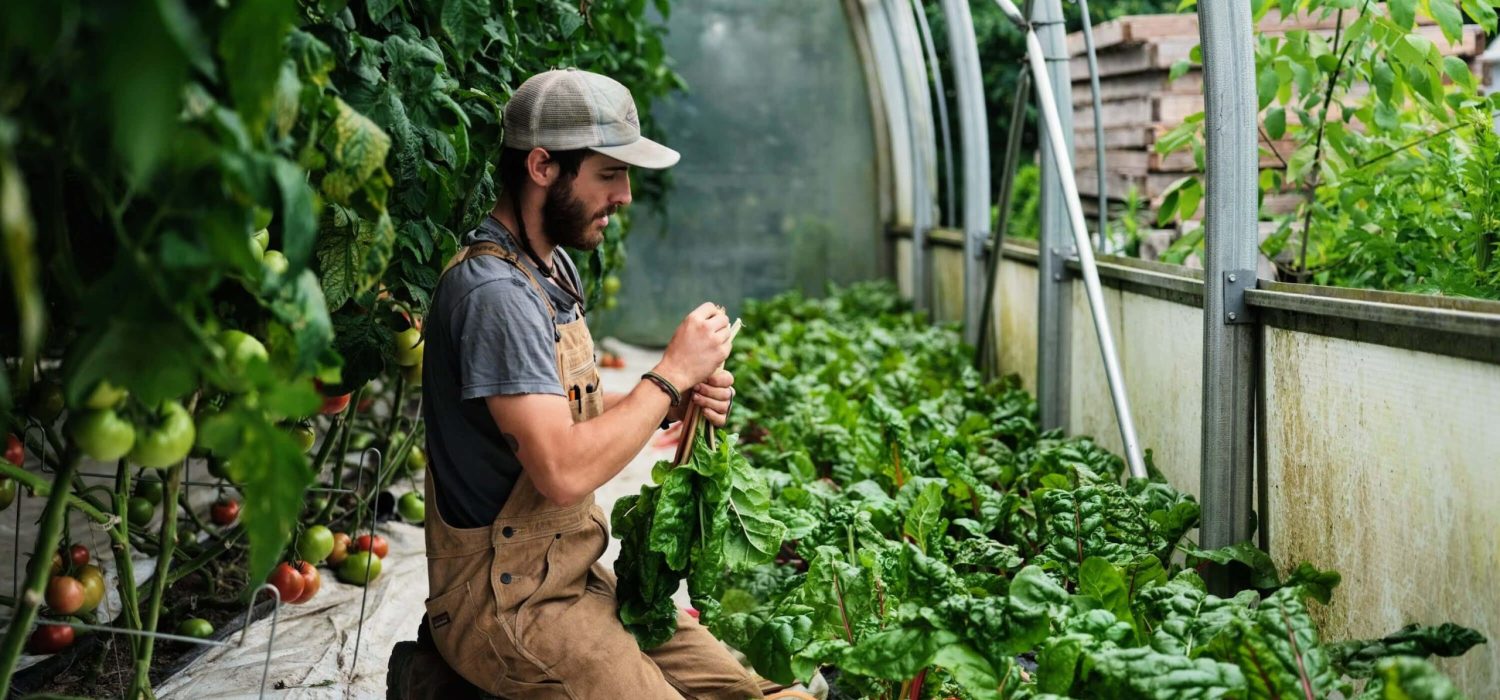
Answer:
[(565, 220)]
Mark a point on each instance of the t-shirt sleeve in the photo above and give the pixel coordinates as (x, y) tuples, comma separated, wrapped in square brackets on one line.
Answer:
[(506, 342)]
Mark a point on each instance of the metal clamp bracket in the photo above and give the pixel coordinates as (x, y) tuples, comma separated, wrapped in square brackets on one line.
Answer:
[(1236, 282)]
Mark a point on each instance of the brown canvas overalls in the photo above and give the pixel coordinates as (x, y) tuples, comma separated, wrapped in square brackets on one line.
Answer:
[(524, 609)]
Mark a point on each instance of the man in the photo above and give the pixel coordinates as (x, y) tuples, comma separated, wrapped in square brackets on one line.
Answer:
[(520, 433)]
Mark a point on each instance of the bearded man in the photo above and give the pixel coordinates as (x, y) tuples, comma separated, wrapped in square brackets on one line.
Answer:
[(520, 432)]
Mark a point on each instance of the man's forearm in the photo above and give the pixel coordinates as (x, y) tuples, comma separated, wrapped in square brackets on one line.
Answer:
[(595, 450)]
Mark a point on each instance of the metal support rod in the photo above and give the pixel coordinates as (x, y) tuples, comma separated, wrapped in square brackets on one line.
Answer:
[(1002, 223), (1103, 198), (968, 84), (941, 92), (1054, 373), (1229, 256), (1046, 99)]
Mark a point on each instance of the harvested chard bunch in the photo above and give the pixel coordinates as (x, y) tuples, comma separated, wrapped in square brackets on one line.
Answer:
[(707, 514)]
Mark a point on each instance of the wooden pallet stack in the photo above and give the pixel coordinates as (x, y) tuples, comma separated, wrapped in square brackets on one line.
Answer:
[(1141, 104)]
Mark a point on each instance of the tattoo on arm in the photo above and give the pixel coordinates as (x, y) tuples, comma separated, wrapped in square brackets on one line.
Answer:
[(511, 442)]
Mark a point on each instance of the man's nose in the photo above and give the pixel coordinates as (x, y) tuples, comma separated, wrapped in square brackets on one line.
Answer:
[(622, 195)]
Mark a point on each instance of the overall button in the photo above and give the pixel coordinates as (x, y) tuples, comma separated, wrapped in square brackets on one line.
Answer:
[(508, 531), (505, 578), (557, 536)]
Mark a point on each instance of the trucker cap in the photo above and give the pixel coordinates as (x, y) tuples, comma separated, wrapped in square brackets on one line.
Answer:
[(569, 109)]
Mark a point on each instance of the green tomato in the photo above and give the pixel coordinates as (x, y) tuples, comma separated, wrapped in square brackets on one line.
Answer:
[(195, 627), (149, 489), (353, 569), (610, 303), (611, 285), (408, 347), (105, 395), (274, 262), (7, 492), (166, 443), (140, 511), (416, 461), (315, 544), (240, 351), (262, 238), (102, 435), (411, 507), (218, 467), (305, 436)]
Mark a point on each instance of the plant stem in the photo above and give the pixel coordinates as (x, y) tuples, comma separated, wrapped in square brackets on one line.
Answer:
[(1312, 189), (346, 423), (120, 545), (41, 487), (209, 555), (38, 573), (142, 682)]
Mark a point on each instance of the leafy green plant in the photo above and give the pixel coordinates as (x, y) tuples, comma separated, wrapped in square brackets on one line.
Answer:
[(938, 544), (1393, 148)]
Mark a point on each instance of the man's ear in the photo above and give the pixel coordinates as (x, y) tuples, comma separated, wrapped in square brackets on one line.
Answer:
[(541, 168)]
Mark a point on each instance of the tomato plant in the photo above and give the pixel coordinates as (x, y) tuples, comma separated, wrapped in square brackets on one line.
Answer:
[(140, 511), (335, 404), (408, 350), (92, 578), (7, 492)]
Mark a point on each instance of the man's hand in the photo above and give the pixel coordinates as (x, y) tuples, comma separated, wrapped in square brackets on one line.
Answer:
[(698, 348), (713, 396)]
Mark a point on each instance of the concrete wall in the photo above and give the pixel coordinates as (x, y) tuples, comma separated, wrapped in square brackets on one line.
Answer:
[(1385, 465)]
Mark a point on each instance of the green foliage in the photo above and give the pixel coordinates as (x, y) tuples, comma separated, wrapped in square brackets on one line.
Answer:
[(937, 540), (1393, 148), (154, 154)]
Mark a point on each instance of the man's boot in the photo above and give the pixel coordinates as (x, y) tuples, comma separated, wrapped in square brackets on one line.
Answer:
[(417, 672)]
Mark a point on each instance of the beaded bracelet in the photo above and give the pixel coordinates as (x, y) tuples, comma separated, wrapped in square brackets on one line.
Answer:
[(665, 386)]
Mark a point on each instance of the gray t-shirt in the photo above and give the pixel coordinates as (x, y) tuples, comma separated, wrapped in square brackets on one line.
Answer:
[(487, 334)]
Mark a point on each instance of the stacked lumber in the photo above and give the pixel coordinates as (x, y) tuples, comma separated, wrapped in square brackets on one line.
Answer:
[(1141, 104)]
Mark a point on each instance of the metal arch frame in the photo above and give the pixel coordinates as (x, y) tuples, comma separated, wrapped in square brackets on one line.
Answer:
[(885, 69), (1058, 154), (940, 92), (968, 84), (918, 105)]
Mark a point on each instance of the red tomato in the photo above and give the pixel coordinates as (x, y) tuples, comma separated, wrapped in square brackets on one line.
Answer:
[(311, 581), (380, 548), (335, 404), (14, 452), (64, 595), (79, 554), (50, 639), (224, 511), (287, 581)]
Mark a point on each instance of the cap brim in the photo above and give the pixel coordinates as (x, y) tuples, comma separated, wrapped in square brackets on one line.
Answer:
[(644, 153)]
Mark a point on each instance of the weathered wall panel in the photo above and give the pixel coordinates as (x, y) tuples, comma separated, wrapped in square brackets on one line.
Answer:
[(1161, 356), (1014, 314), (947, 283), (1385, 465)]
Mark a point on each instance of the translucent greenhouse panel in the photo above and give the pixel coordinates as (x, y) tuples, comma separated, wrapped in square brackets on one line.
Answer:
[(777, 185)]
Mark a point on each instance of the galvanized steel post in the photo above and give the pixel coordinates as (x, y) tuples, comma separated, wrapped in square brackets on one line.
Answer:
[(969, 86), (913, 74), (1055, 295), (1230, 255)]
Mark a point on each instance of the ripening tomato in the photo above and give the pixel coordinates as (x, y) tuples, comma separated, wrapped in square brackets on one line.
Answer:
[(15, 452), (224, 511), (78, 554), (311, 581), (335, 404), (64, 595), (50, 639), (409, 347), (287, 581), (380, 547), (92, 578), (340, 551)]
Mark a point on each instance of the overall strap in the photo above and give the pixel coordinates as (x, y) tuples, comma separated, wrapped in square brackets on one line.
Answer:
[(499, 251)]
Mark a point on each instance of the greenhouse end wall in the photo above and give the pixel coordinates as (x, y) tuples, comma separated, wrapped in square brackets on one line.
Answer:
[(1380, 462)]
